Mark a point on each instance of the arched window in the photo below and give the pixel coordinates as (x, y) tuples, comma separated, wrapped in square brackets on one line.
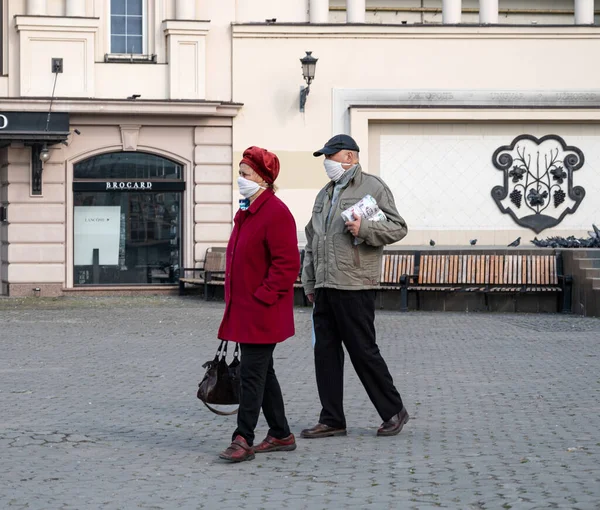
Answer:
[(127, 219)]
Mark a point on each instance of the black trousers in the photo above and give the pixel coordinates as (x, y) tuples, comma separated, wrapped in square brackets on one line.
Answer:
[(348, 317), (260, 388)]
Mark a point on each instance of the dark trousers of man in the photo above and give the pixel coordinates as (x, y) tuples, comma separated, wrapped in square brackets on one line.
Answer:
[(347, 316), (260, 388)]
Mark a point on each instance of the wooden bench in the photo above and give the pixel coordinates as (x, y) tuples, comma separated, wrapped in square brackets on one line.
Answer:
[(211, 273), (488, 274)]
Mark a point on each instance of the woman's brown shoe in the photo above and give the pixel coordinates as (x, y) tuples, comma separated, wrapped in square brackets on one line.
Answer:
[(272, 444), (238, 451)]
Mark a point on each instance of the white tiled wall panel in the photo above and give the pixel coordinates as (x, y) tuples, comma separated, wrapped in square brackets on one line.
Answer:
[(442, 175)]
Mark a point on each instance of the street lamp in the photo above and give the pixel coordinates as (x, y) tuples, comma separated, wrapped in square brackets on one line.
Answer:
[(309, 64)]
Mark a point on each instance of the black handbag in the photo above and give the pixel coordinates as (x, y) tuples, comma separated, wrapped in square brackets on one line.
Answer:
[(221, 382)]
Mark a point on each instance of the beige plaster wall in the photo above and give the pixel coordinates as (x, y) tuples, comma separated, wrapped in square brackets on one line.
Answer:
[(83, 44), (37, 241), (30, 43), (289, 11), (447, 58)]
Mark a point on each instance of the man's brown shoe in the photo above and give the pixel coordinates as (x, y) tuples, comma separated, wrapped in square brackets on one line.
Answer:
[(272, 444), (322, 430), (238, 451), (394, 425)]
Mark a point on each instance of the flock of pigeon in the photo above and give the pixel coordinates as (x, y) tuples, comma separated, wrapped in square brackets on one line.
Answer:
[(593, 241)]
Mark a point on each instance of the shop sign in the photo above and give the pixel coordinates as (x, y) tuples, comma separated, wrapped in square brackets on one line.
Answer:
[(33, 122), (133, 186), (128, 185)]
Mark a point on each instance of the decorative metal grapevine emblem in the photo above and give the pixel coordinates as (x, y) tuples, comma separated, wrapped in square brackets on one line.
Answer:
[(538, 187)]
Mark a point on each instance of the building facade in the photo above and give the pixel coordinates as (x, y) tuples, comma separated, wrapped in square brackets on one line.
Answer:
[(482, 116)]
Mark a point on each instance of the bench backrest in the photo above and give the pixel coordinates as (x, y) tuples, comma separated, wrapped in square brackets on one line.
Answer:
[(215, 260), (393, 266), (488, 269)]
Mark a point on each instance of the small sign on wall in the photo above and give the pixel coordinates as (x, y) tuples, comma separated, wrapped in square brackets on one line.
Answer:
[(97, 228)]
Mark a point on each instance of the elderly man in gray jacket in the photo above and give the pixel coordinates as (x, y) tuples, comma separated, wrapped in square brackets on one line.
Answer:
[(340, 274)]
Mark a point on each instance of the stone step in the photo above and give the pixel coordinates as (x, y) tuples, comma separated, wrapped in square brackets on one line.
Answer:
[(595, 283), (592, 272), (585, 263)]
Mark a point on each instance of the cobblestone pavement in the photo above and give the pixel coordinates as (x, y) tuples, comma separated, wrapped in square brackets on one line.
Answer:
[(98, 410)]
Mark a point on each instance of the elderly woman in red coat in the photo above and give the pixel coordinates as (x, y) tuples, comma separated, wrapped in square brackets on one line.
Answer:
[(262, 265)]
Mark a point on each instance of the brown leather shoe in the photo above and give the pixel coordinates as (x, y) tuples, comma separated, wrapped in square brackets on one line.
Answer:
[(238, 451), (272, 444), (322, 430), (394, 425)]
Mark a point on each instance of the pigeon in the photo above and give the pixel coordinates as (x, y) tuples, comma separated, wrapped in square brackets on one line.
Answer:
[(431, 242), (271, 20), (596, 231), (473, 242), (516, 242)]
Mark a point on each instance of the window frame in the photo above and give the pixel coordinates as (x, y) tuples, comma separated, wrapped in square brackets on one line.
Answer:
[(144, 31)]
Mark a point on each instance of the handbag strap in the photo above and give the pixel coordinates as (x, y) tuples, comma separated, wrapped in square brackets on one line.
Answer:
[(222, 349), (220, 413)]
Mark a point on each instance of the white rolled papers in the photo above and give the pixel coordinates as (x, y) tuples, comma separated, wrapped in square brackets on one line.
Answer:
[(366, 208)]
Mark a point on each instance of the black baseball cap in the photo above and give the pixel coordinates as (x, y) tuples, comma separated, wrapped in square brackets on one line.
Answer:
[(336, 144)]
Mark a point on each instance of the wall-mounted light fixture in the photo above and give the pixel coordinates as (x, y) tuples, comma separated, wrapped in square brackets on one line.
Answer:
[(39, 155), (309, 64), (44, 154), (39, 151)]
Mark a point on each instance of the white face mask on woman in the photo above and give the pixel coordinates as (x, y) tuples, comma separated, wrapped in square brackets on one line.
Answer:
[(334, 169), (248, 188)]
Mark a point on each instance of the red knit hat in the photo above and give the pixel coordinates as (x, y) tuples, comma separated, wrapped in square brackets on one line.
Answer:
[(263, 162)]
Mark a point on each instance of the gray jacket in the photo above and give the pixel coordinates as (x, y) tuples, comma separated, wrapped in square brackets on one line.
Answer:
[(332, 259)]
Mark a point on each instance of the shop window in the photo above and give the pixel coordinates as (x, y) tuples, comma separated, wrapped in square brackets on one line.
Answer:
[(127, 220), (127, 26)]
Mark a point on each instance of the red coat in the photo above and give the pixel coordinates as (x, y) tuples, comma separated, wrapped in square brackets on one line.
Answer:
[(262, 265)]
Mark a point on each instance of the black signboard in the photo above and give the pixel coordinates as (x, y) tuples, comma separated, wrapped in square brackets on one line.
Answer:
[(131, 186), (33, 125)]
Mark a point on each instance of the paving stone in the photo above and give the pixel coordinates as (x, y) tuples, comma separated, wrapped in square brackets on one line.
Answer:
[(101, 412)]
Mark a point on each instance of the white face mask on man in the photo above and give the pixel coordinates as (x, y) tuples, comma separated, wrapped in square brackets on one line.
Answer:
[(334, 169), (248, 188)]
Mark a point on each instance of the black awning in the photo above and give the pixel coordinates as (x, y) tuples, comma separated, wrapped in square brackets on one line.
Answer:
[(34, 127)]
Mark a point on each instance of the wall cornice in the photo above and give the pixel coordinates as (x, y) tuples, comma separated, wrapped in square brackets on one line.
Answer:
[(184, 27), (379, 31), (56, 23), (126, 107), (423, 99)]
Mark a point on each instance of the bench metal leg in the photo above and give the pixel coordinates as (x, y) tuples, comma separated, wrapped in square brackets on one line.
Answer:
[(404, 299), (181, 288), (403, 293), (567, 305)]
